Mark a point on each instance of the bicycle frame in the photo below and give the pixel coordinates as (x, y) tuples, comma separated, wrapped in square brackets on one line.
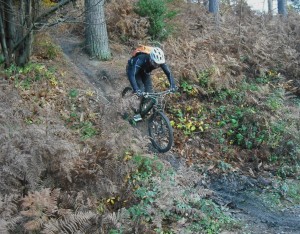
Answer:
[(158, 99), (159, 126)]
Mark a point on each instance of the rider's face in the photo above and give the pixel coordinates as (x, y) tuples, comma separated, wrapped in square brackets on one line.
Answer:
[(154, 64)]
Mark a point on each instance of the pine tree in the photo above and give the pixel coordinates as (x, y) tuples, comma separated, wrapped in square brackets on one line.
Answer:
[(96, 31)]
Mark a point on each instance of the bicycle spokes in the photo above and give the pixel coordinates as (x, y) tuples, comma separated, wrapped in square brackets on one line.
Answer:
[(159, 127), (160, 132)]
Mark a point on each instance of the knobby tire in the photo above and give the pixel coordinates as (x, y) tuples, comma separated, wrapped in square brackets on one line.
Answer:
[(160, 132), (159, 127)]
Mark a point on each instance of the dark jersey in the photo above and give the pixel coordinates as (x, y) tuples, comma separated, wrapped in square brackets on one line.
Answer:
[(140, 65)]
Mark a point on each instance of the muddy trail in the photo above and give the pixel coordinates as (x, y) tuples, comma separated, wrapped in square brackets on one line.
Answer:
[(99, 74), (238, 193), (242, 195)]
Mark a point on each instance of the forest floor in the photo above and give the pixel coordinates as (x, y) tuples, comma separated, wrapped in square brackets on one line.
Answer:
[(246, 198)]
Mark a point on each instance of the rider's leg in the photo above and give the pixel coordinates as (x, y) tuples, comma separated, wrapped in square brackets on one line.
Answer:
[(147, 83), (148, 86), (137, 117), (134, 101), (140, 83)]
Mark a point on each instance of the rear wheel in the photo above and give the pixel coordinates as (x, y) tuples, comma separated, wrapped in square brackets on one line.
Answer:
[(161, 132)]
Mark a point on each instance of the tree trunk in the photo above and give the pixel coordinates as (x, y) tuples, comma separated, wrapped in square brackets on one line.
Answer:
[(270, 7), (213, 6), (96, 31), (17, 18), (3, 41), (7, 31), (23, 51), (282, 7)]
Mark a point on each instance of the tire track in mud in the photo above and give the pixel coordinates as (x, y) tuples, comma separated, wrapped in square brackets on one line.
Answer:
[(93, 70)]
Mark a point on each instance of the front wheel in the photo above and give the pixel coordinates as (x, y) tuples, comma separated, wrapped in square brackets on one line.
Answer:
[(161, 132)]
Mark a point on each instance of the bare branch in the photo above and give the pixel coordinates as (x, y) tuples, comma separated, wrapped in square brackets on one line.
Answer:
[(50, 11)]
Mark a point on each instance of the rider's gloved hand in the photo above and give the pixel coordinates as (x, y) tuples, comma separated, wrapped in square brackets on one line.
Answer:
[(173, 89), (139, 93)]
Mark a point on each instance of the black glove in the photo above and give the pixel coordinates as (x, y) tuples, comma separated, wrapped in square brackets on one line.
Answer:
[(139, 93)]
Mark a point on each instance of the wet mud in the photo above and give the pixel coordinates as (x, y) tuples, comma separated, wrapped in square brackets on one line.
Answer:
[(241, 195)]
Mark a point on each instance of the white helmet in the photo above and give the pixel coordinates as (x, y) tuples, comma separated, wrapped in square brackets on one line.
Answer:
[(157, 55)]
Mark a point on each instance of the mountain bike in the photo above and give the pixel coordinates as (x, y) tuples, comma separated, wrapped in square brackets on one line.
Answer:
[(159, 127)]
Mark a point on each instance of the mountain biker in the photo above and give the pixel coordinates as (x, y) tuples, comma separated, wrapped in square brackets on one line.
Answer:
[(139, 70), (140, 66)]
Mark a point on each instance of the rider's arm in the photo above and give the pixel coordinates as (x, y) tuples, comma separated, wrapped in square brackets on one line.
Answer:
[(133, 69), (168, 73)]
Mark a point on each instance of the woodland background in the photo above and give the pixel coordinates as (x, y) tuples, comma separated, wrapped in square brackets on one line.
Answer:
[(70, 164)]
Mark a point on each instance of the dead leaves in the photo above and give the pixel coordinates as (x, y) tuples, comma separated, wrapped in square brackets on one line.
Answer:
[(40, 206)]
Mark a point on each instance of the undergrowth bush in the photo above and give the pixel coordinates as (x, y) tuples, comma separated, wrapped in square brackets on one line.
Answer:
[(152, 182), (240, 127), (157, 13), (28, 77), (75, 119), (123, 24), (238, 117), (45, 48)]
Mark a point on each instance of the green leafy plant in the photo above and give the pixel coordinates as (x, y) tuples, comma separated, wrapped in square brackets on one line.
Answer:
[(73, 93), (285, 188), (204, 215), (188, 88), (204, 77), (115, 231), (263, 79), (157, 13), (146, 191), (285, 171), (241, 127), (46, 48), (146, 167), (224, 166), (235, 96), (25, 77), (276, 133), (189, 119), (87, 130), (149, 181), (284, 142), (275, 100), (245, 86), (267, 77)]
